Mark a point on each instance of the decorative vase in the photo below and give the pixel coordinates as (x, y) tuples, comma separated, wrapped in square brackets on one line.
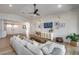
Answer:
[(73, 43)]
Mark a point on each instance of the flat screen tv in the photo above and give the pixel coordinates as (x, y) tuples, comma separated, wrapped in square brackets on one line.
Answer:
[(48, 25)]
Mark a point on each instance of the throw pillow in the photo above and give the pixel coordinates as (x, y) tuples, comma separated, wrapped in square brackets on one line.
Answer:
[(47, 49)]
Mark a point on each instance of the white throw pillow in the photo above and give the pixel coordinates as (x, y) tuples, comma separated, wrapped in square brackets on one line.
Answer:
[(35, 43), (47, 49), (34, 49)]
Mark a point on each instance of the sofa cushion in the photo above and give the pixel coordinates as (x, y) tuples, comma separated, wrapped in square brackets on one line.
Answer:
[(35, 43), (28, 40), (22, 41), (54, 48), (42, 45), (19, 47), (34, 49)]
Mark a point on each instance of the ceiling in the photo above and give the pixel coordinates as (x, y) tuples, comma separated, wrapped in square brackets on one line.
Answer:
[(44, 9), (14, 22)]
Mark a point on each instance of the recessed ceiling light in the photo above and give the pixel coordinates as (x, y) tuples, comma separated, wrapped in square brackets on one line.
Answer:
[(59, 6), (10, 5)]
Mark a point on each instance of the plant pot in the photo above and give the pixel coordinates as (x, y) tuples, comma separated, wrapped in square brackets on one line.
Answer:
[(73, 43)]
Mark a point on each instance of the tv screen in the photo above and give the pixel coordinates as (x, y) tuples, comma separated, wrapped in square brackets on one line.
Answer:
[(48, 25)]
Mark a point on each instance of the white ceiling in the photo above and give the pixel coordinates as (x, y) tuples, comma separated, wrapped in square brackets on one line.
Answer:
[(44, 9), (13, 22)]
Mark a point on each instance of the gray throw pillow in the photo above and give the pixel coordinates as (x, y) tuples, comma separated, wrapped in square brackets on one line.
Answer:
[(56, 51)]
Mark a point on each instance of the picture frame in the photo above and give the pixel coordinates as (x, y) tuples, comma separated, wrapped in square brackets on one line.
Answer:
[(58, 25)]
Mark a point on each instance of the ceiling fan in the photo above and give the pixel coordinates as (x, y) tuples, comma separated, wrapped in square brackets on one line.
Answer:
[(35, 12)]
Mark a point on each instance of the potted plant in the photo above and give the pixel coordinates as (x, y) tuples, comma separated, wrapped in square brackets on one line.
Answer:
[(74, 39)]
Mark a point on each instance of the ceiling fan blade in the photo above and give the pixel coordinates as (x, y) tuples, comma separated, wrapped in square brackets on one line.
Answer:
[(35, 11), (37, 14)]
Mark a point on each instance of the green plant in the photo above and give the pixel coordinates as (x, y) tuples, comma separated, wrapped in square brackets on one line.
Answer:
[(73, 37)]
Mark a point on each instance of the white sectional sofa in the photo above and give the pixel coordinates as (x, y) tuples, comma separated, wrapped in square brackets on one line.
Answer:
[(26, 47), (21, 49)]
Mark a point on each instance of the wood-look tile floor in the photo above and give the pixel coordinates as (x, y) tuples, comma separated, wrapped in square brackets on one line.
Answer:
[(5, 48), (71, 50)]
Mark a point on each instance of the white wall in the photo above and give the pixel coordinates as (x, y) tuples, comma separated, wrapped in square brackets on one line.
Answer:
[(12, 17), (1, 27), (15, 18), (70, 18)]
